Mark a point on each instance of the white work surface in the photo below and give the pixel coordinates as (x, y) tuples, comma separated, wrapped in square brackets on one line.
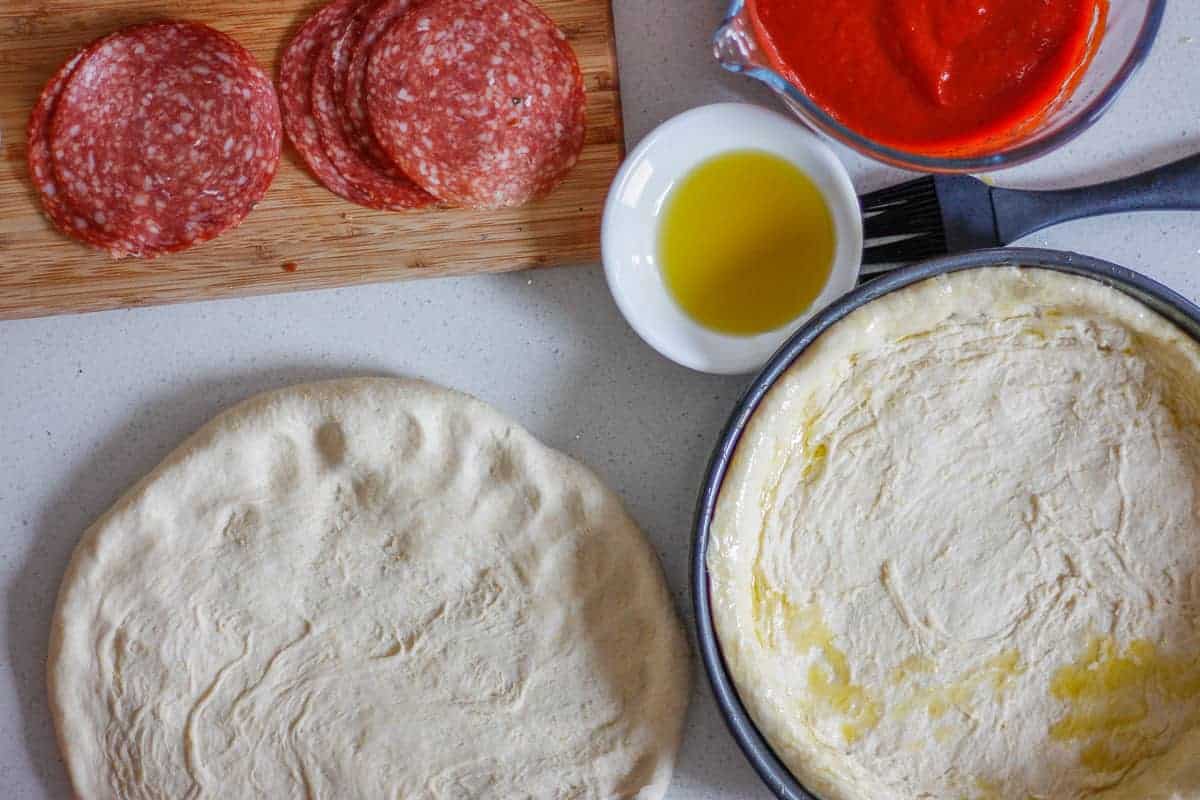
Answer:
[(91, 403)]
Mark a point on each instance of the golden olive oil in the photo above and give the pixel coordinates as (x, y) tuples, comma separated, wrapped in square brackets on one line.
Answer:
[(1108, 695), (746, 242)]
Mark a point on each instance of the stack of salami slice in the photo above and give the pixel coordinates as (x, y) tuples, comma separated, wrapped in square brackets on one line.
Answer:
[(155, 138), (398, 104)]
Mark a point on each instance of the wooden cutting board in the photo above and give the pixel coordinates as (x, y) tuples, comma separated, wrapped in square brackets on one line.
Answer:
[(301, 236)]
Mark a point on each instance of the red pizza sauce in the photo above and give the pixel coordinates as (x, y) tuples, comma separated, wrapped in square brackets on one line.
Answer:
[(932, 76)]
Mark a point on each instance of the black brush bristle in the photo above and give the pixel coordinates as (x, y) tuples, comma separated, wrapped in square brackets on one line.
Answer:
[(908, 213), (903, 220), (917, 189), (904, 251)]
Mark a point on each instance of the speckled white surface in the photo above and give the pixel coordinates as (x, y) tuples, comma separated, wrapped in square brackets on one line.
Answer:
[(90, 403)]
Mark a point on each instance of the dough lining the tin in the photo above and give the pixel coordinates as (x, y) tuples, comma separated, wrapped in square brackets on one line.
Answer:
[(957, 553), (367, 589)]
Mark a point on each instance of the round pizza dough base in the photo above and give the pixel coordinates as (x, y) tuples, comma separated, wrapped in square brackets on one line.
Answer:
[(956, 552), (366, 589)]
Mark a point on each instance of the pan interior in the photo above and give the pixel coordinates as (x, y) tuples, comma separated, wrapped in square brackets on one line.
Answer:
[(973, 406)]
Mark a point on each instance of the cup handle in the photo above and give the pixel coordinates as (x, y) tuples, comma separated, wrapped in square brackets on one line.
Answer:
[(733, 43)]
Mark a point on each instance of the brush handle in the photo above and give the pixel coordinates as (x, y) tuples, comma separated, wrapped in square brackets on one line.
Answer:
[(1174, 187)]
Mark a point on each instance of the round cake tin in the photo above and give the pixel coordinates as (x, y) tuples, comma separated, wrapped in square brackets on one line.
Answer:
[(770, 768)]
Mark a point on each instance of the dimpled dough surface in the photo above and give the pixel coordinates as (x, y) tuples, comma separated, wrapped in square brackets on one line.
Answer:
[(367, 589)]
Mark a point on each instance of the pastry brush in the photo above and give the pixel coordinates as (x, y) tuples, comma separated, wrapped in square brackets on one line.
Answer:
[(941, 214)]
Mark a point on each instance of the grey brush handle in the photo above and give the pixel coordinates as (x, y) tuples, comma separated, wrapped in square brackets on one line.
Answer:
[(1174, 187)]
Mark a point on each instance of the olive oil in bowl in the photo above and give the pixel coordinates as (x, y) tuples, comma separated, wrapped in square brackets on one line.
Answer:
[(746, 243)]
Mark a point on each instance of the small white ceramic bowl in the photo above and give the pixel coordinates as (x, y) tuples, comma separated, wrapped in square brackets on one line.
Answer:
[(629, 236)]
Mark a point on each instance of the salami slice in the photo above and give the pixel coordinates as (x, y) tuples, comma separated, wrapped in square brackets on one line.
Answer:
[(41, 164), (354, 96), (166, 135), (380, 189), (480, 102), (295, 92)]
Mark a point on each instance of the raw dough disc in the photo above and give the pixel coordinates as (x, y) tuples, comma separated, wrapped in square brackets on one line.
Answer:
[(367, 589)]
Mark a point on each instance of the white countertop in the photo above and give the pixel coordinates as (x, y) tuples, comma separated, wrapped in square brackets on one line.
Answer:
[(90, 403)]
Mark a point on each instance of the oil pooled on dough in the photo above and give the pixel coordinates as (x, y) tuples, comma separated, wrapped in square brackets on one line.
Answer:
[(831, 690), (1109, 694)]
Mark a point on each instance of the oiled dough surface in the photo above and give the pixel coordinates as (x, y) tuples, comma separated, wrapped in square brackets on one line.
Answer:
[(957, 554), (367, 589)]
